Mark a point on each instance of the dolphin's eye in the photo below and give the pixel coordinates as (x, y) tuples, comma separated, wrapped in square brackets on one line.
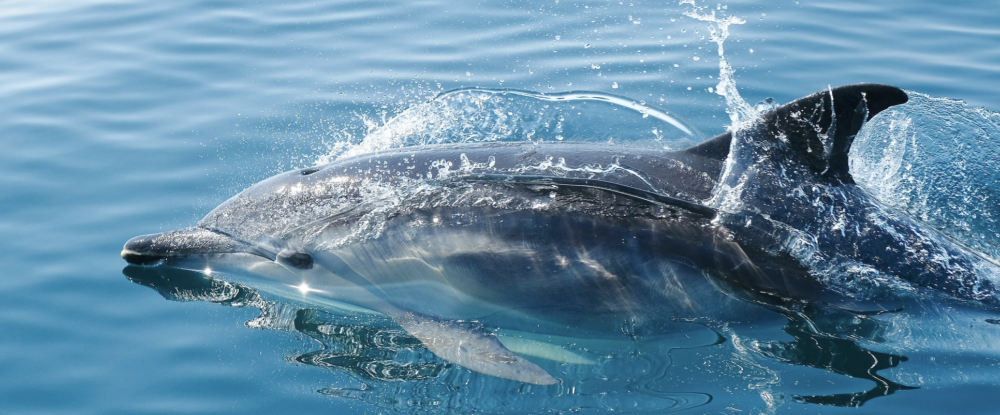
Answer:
[(300, 260), (311, 170)]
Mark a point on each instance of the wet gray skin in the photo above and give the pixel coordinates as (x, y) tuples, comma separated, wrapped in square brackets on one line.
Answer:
[(541, 236)]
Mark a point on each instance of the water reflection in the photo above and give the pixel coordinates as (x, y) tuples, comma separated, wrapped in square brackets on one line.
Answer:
[(634, 375), (826, 337), (368, 350), (372, 352)]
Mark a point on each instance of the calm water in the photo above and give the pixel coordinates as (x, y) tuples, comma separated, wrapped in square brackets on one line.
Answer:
[(121, 118)]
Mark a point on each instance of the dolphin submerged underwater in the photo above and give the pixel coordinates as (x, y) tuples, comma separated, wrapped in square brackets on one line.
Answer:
[(536, 235)]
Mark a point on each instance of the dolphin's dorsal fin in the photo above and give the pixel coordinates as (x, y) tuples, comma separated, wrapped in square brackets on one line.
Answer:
[(819, 134), (716, 148)]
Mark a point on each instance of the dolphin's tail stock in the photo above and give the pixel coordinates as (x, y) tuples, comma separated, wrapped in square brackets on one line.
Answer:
[(820, 128)]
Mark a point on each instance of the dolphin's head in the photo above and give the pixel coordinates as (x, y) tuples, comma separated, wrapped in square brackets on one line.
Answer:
[(266, 221)]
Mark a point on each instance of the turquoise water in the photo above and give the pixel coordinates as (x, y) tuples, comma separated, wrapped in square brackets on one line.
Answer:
[(123, 118)]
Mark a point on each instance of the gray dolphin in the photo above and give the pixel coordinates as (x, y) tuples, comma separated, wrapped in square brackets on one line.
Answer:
[(536, 236)]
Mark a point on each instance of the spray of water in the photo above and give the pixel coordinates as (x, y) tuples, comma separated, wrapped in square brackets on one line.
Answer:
[(726, 196), (739, 111), (478, 115), (935, 159)]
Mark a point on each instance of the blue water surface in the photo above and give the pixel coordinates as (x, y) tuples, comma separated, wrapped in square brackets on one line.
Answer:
[(120, 118)]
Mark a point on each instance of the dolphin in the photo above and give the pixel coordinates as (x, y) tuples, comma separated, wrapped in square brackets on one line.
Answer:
[(454, 241)]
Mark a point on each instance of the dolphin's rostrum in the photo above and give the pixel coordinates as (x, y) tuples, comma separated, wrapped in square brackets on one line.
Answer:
[(452, 240)]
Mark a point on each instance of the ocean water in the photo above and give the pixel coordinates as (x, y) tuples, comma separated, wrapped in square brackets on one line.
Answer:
[(120, 118)]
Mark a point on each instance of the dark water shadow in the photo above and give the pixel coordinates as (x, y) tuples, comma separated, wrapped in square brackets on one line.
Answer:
[(182, 285), (371, 352), (827, 337), (368, 347)]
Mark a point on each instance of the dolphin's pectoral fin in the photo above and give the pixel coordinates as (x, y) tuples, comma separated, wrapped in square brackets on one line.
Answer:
[(544, 350), (472, 348)]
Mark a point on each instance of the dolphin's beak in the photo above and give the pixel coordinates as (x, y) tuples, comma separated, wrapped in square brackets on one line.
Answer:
[(152, 248), (140, 250)]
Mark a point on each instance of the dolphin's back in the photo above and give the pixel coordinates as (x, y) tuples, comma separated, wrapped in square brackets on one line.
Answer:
[(283, 206)]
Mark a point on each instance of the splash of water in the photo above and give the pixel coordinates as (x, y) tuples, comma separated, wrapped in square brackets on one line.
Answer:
[(934, 159), (487, 115), (726, 195), (739, 110)]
